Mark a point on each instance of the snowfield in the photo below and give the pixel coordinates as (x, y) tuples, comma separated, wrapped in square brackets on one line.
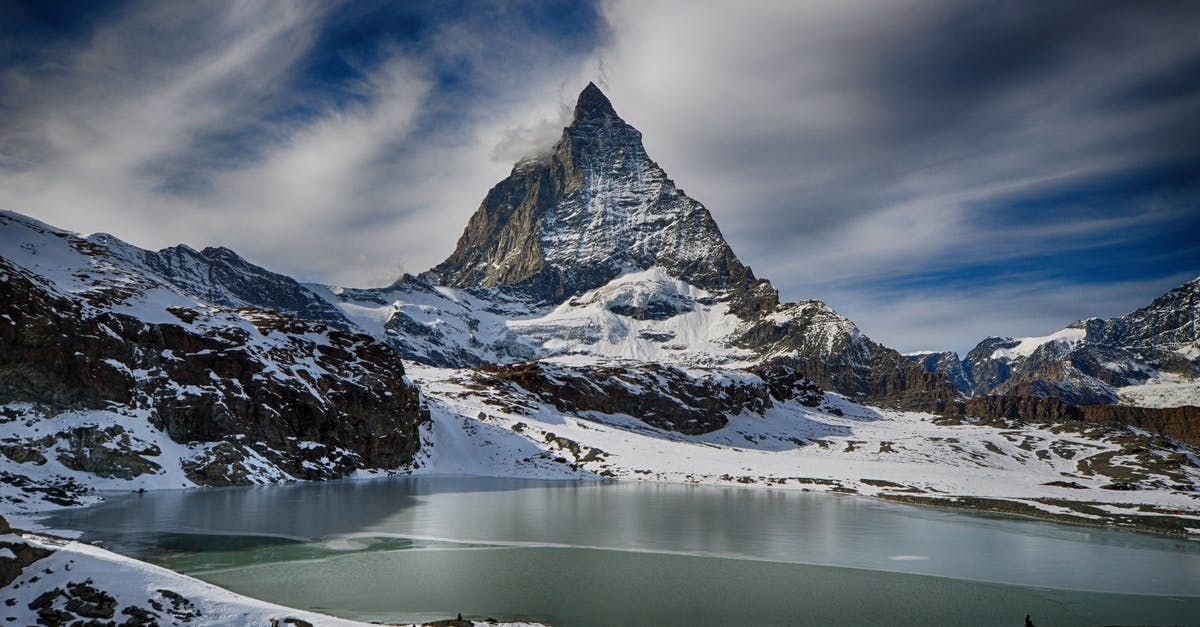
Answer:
[(1064, 338), (1050, 470), (1162, 390)]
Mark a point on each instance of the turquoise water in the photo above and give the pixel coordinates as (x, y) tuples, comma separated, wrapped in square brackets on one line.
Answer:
[(589, 553)]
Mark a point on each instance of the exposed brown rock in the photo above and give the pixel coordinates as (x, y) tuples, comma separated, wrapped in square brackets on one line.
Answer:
[(1181, 423)]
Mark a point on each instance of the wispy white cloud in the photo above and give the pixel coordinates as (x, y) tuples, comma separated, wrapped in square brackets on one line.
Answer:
[(162, 143), (103, 127)]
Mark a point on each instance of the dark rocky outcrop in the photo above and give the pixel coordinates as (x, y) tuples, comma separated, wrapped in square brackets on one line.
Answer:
[(1181, 423), (23, 555), (948, 364), (107, 452), (661, 396)]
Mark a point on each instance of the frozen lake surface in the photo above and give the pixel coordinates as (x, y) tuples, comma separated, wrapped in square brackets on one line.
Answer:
[(628, 553)]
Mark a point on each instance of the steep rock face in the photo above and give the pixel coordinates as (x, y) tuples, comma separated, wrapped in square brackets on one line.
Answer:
[(815, 340), (595, 207), (81, 331), (661, 396), (947, 363), (1064, 364), (1170, 322)]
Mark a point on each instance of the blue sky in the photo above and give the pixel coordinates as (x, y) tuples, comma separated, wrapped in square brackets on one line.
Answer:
[(936, 171)]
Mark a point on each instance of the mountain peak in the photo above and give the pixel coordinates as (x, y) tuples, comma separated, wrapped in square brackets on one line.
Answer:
[(594, 208), (593, 104)]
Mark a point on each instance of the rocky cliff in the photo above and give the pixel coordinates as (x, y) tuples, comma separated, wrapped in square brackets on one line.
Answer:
[(946, 363), (1181, 423), (661, 396)]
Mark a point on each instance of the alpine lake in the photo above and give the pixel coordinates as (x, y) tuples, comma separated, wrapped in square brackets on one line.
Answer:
[(412, 549)]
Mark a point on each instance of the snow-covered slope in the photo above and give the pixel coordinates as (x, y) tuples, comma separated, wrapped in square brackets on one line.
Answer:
[(639, 315), (646, 315), (546, 423), (219, 276)]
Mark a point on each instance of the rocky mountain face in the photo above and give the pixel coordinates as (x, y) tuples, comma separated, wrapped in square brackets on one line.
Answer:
[(1094, 361), (596, 206), (948, 364), (815, 340), (94, 351)]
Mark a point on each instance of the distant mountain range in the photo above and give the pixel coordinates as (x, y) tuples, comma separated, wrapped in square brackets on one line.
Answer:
[(1149, 357)]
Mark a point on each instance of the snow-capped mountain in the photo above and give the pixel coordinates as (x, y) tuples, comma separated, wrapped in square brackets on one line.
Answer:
[(1149, 357), (591, 250), (110, 369)]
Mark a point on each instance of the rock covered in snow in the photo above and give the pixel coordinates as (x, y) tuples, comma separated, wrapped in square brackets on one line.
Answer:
[(85, 332), (220, 276), (672, 399)]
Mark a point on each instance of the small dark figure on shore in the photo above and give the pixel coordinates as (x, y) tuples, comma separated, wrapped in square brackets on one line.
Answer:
[(1028, 623)]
